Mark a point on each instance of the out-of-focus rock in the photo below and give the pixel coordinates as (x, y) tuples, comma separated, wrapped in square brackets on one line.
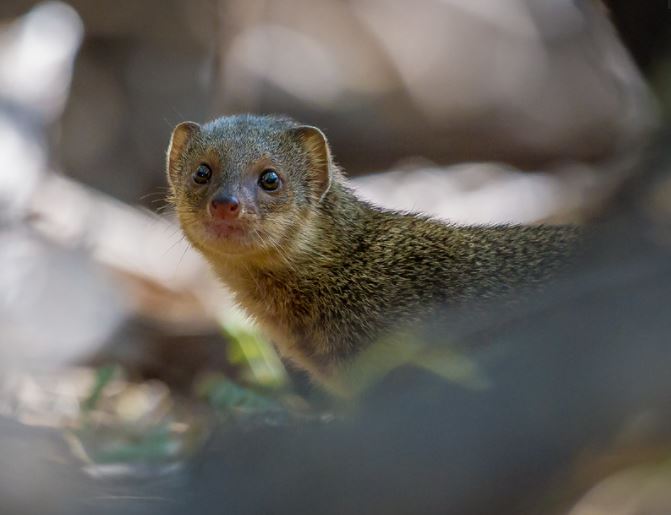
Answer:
[(43, 43), (530, 82), (56, 305), (533, 83), (485, 193), (75, 264)]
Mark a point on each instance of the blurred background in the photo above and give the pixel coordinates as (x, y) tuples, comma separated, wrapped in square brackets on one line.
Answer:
[(113, 333)]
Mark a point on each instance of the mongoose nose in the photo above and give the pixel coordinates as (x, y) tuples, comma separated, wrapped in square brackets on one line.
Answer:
[(225, 207)]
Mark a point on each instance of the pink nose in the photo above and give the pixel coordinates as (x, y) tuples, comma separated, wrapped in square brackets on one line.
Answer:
[(225, 207)]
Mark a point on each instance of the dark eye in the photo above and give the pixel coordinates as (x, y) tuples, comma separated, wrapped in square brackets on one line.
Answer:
[(269, 180), (202, 174)]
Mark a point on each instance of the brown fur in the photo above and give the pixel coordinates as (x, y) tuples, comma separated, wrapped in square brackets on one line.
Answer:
[(323, 272)]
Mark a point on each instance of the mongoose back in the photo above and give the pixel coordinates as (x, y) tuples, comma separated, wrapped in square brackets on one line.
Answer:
[(322, 272)]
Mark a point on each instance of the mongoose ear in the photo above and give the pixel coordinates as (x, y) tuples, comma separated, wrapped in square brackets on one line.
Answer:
[(181, 135), (315, 143)]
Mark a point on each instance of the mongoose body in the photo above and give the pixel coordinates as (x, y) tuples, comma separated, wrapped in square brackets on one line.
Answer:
[(322, 272)]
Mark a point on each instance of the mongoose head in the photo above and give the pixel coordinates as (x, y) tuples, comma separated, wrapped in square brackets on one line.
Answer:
[(244, 185)]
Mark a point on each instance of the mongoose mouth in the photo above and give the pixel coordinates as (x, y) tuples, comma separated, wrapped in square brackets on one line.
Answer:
[(224, 237), (239, 236), (226, 230)]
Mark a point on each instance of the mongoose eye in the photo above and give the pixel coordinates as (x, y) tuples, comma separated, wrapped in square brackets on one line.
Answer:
[(202, 174), (269, 180)]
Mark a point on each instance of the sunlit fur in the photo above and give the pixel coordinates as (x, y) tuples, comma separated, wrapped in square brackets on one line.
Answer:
[(324, 273)]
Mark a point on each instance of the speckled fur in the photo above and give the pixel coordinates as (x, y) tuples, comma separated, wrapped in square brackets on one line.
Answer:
[(338, 272)]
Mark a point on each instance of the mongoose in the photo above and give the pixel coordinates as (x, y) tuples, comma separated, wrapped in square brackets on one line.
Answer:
[(322, 272)]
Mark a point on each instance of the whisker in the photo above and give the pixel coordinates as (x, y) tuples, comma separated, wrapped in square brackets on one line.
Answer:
[(181, 239), (186, 249), (162, 193)]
